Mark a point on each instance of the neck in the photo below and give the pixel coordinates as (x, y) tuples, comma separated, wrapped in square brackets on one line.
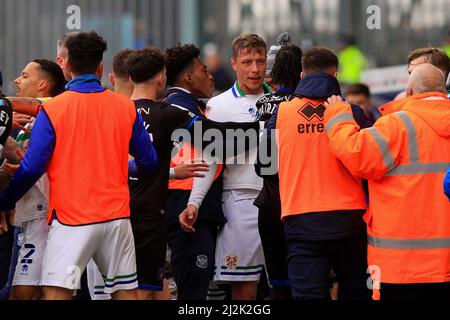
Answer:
[(145, 91), (124, 88), (182, 86)]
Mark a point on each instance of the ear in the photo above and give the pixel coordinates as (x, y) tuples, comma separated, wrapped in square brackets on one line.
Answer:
[(302, 75), (335, 74), (42, 85), (233, 64), (59, 62), (112, 79), (99, 72), (409, 92)]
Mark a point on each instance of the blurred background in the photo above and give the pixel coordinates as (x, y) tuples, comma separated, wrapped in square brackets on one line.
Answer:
[(29, 29)]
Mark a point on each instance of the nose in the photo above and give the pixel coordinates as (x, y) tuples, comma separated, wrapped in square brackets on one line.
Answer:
[(17, 81), (254, 67)]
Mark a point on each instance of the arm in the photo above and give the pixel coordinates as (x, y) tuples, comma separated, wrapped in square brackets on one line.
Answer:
[(34, 164), (267, 158), (368, 153), (5, 120), (200, 188), (142, 149), (28, 106)]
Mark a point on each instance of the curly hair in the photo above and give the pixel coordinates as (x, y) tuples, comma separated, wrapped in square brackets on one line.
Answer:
[(287, 67), (85, 52), (144, 64), (54, 74), (179, 59)]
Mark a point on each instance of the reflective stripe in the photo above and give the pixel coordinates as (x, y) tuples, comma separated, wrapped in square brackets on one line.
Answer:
[(386, 243), (419, 168), (339, 118), (383, 146), (412, 136)]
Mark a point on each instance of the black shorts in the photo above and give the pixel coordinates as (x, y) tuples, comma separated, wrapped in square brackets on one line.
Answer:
[(271, 231), (150, 242)]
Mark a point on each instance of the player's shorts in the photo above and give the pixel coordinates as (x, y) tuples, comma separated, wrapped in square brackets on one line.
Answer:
[(239, 253), (109, 244), (29, 263), (151, 246), (96, 284)]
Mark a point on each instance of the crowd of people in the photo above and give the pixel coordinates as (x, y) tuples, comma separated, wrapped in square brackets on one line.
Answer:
[(140, 192)]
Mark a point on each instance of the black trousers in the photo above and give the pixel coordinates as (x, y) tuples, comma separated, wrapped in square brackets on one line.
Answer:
[(310, 262), (420, 291), (192, 259)]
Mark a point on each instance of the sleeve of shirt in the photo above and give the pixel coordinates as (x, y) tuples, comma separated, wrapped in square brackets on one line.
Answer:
[(5, 120), (201, 186), (447, 184), (34, 164), (142, 149)]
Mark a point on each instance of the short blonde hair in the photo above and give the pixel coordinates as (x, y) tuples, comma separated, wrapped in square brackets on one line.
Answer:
[(248, 41)]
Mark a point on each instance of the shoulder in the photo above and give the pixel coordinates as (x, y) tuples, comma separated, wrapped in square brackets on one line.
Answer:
[(222, 98)]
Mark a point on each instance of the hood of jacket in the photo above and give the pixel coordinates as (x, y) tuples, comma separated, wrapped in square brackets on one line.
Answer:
[(317, 86), (433, 108)]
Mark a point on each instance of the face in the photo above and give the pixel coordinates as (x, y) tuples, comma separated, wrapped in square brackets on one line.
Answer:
[(30, 82), (360, 100), (62, 60), (416, 62), (250, 68), (200, 80)]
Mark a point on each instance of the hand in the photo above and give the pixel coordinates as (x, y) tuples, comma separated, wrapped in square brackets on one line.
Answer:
[(188, 218), (10, 168), (332, 101), (19, 120), (4, 224), (191, 169)]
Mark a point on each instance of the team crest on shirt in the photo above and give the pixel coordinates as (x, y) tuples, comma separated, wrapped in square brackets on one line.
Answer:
[(24, 269), (231, 262), (253, 111), (202, 261)]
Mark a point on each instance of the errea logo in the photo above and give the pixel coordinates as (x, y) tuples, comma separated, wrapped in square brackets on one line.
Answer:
[(312, 112)]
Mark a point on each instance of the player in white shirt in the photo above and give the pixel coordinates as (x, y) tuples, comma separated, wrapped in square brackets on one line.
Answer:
[(40, 78), (239, 255)]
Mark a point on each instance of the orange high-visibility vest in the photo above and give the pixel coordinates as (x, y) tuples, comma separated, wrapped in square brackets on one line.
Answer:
[(404, 157), (88, 172), (185, 154), (312, 179)]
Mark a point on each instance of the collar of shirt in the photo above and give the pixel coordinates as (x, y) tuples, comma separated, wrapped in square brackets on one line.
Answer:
[(87, 83), (238, 93)]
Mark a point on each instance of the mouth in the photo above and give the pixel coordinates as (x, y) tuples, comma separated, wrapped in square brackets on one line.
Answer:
[(255, 79)]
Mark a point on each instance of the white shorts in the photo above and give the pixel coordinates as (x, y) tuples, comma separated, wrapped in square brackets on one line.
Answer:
[(239, 253), (29, 263), (96, 283), (109, 244)]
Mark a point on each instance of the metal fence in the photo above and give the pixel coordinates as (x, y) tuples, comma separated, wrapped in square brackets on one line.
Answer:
[(30, 29)]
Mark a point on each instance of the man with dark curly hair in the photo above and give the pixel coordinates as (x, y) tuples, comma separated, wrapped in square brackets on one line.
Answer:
[(192, 255)]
